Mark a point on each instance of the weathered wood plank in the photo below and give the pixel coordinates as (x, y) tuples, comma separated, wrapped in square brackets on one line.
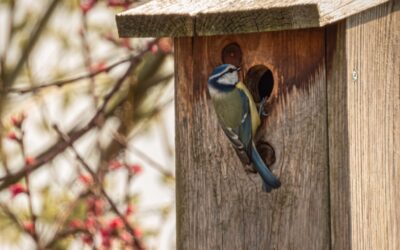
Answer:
[(373, 99), (209, 17), (363, 79), (219, 206), (337, 76)]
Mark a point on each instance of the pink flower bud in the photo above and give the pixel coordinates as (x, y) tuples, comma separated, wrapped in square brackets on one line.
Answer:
[(115, 224), (115, 165), (86, 179), (138, 233), (76, 224), (12, 136), (98, 67), (106, 242), (154, 48), (136, 168), (17, 120), (129, 210), (126, 237), (87, 239), (87, 5), (29, 227), (30, 161), (17, 189), (90, 223)]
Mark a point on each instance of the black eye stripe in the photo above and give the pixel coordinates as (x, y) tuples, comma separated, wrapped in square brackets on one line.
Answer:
[(229, 71)]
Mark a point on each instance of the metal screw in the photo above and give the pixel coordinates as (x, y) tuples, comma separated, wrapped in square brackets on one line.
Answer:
[(354, 75)]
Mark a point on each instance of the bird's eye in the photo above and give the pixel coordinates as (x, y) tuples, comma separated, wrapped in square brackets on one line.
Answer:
[(231, 70)]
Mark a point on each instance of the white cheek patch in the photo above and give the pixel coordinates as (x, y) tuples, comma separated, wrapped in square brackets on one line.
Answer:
[(229, 79)]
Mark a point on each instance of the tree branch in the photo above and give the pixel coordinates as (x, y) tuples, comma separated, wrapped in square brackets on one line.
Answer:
[(68, 81), (130, 229), (35, 34), (155, 165), (61, 145)]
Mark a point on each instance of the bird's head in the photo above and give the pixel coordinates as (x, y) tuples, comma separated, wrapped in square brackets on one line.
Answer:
[(224, 76)]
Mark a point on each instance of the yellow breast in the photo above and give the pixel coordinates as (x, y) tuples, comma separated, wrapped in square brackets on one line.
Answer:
[(255, 118)]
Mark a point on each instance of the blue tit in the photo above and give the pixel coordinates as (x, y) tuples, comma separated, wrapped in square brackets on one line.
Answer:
[(238, 116)]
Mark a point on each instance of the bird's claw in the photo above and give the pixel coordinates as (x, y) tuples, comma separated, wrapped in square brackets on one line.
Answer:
[(261, 110), (263, 114), (249, 169)]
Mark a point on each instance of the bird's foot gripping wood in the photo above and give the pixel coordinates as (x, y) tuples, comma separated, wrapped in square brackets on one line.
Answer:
[(261, 108), (249, 169), (244, 158)]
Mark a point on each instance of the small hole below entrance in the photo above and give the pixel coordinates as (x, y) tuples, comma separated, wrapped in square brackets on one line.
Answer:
[(260, 81)]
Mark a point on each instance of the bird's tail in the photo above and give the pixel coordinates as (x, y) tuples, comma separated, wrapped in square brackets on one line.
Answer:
[(270, 181)]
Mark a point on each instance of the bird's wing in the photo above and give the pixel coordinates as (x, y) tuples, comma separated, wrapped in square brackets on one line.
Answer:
[(245, 133), (241, 135)]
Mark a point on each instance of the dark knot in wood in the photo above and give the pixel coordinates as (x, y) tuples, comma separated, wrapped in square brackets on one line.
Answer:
[(232, 54)]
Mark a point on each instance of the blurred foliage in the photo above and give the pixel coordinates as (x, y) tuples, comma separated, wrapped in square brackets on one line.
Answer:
[(59, 63)]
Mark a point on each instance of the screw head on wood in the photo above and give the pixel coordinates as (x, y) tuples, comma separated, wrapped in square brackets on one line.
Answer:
[(354, 75)]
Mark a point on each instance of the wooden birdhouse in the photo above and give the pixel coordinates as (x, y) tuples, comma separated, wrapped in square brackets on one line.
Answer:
[(331, 73)]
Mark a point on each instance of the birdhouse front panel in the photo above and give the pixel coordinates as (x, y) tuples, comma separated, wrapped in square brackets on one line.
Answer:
[(288, 69)]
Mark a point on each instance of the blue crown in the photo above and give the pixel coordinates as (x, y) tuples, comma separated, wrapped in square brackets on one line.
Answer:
[(219, 69), (213, 78)]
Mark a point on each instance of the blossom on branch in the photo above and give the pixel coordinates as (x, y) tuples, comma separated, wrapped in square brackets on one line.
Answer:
[(136, 168), (115, 224), (87, 5), (86, 179), (115, 165), (17, 189), (129, 210), (12, 136), (17, 120), (29, 227), (29, 160)]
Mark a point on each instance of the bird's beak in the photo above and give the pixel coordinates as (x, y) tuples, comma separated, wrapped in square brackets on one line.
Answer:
[(238, 68)]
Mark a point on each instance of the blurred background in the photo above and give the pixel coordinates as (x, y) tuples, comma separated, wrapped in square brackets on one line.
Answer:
[(87, 129)]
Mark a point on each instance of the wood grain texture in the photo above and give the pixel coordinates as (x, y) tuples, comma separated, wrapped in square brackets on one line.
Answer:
[(209, 17), (219, 206), (373, 99), (363, 79), (337, 76)]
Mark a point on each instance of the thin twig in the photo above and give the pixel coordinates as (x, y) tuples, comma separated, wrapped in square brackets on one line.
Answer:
[(87, 56), (29, 193), (35, 34), (61, 232), (61, 145), (131, 230), (62, 83), (155, 165), (12, 216), (9, 35)]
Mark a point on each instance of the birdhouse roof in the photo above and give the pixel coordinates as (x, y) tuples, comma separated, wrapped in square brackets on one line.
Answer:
[(176, 18)]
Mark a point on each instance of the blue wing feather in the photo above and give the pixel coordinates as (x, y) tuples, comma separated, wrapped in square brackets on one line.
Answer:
[(245, 136), (241, 138)]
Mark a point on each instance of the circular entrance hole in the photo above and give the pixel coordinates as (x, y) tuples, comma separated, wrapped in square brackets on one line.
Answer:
[(260, 81)]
